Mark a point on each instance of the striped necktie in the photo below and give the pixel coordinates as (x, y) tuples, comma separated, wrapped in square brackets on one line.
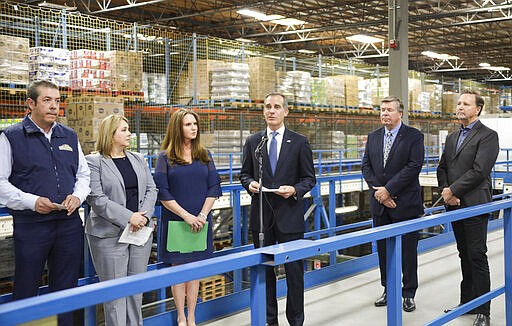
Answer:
[(387, 147)]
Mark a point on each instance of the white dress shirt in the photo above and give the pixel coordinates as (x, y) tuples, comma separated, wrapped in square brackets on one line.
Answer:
[(16, 199), (279, 139)]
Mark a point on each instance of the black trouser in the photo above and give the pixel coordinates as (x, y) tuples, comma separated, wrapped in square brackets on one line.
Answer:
[(294, 280), (471, 236), (409, 257)]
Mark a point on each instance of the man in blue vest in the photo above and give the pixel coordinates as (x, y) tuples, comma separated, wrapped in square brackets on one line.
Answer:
[(44, 179)]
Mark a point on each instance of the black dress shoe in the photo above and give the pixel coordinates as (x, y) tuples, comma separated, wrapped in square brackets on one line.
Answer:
[(482, 320), (471, 312), (409, 304), (382, 301)]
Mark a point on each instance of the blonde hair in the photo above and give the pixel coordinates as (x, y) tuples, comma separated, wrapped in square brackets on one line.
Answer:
[(173, 140), (106, 133)]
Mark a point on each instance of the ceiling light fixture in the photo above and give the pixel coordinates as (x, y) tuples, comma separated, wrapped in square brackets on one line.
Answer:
[(439, 56), (258, 15), (306, 51), (497, 68), (244, 40), (364, 38), (55, 6), (484, 64), (288, 21), (276, 19)]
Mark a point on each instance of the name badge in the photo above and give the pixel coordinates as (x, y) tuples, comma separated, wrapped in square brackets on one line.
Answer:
[(65, 147)]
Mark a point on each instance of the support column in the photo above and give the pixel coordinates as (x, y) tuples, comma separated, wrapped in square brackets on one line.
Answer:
[(399, 52)]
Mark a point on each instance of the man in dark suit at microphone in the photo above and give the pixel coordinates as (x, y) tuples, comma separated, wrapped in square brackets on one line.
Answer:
[(288, 168)]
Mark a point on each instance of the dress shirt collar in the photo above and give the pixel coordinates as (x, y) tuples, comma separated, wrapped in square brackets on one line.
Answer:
[(469, 127), (394, 131), (48, 134), (280, 131)]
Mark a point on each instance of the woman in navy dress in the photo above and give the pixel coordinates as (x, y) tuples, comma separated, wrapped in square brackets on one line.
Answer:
[(188, 185)]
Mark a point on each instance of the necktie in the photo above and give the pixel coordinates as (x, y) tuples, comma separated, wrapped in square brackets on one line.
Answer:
[(272, 152), (462, 136), (387, 147)]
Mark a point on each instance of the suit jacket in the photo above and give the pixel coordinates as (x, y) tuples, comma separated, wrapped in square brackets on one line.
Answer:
[(294, 168), (467, 171), (109, 216), (399, 176)]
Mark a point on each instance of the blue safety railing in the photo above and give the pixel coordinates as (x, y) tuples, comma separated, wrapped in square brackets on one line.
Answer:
[(324, 224), (29, 309), (326, 161)]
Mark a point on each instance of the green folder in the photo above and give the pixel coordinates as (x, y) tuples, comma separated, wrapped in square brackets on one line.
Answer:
[(180, 237)]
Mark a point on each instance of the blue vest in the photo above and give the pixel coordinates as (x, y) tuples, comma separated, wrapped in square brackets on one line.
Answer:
[(41, 167)]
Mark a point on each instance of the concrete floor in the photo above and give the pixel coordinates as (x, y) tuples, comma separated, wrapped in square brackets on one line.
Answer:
[(350, 301)]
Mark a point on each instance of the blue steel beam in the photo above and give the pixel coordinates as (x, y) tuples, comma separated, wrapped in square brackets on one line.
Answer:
[(295, 250), (33, 308), (507, 238)]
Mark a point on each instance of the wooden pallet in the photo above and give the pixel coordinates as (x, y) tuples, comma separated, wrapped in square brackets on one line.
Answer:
[(212, 287), (222, 243)]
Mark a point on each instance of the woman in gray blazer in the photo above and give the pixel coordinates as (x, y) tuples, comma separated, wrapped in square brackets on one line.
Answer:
[(123, 194)]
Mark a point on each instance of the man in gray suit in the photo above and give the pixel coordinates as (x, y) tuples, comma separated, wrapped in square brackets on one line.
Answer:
[(464, 180)]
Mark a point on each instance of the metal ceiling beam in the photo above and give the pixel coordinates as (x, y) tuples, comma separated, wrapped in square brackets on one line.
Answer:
[(128, 6)]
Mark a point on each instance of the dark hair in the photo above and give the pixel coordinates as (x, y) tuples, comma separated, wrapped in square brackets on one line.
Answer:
[(285, 102), (479, 100), (33, 89), (173, 140), (393, 98)]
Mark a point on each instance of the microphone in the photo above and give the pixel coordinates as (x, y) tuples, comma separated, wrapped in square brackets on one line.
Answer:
[(261, 144)]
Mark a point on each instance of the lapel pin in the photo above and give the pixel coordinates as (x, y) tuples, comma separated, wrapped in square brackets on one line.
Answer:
[(288, 141)]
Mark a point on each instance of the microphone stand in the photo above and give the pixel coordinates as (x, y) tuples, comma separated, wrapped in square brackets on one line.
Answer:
[(259, 155)]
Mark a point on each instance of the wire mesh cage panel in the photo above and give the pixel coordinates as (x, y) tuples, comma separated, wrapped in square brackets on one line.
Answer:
[(146, 72)]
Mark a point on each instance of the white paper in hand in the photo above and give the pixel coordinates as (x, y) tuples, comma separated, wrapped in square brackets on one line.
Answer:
[(265, 189), (138, 238)]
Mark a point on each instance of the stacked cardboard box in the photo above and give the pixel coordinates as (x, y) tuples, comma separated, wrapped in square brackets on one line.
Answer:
[(335, 91), (126, 71), (379, 90), (90, 69), (351, 90), (230, 80), (436, 93), (262, 74), (14, 53), (365, 93), (49, 64), (203, 77), (154, 87), (450, 103), (84, 114), (226, 142), (415, 91), (296, 85), (319, 91), (355, 146)]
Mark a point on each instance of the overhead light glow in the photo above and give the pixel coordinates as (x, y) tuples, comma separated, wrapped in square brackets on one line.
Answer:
[(258, 15), (55, 6), (439, 56), (498, 68), (288, 21), (484, 64), (244, 40), (306, 51), (364, 38), (276, 19)]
